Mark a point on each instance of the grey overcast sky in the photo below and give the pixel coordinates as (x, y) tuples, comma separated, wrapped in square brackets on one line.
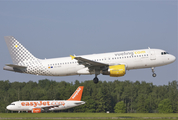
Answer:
[(50, 29)]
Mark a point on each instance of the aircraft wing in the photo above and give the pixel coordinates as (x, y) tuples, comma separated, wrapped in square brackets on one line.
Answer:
[(48, 107), (87, 62)]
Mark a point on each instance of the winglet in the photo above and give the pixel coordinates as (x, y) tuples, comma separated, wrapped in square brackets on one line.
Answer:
[(77, 95), (72, 57)]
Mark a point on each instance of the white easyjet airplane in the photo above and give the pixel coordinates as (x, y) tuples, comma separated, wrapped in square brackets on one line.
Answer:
[(38, 106), (114, 64)]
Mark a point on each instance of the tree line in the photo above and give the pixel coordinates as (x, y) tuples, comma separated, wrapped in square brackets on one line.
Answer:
[(116, 96)]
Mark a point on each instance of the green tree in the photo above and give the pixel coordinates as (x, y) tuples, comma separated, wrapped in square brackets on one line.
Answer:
[(172, 93), (120, 107), (141, 96), (142, 104), (100, 101), (165, 106)]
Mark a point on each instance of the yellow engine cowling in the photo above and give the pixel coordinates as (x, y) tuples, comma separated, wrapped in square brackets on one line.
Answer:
[(115, 71)]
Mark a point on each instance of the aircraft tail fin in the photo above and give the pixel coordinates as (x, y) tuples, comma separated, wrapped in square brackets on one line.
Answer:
[(17, 51), (77, 95)]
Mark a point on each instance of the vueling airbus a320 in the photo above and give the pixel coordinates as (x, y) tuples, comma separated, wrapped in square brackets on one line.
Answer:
[(114, 64)]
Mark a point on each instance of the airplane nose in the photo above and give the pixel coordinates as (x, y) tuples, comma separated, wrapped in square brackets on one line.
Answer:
[(173, 58), (8, 107)]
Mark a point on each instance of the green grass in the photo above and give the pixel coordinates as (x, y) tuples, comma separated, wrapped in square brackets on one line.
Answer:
[(93, 119), (88, 115)]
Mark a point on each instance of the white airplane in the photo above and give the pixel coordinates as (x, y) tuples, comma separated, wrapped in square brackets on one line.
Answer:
[(38, 106), (114, 64)]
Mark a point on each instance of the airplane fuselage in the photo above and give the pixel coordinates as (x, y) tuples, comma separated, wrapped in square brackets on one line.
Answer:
[(53, 105), (38, 106), (135, 59), (114, 64)]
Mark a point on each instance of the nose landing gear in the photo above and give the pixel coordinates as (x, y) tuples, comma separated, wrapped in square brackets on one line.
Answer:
[(154, 74)]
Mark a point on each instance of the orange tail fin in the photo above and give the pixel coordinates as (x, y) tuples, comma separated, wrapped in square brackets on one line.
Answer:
[(77, 95)]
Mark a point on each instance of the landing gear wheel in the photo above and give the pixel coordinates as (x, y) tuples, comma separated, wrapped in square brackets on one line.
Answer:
[(154, 74), (95, 80)]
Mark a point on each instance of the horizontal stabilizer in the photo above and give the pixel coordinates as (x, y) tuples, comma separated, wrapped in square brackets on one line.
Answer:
[(15, 66)]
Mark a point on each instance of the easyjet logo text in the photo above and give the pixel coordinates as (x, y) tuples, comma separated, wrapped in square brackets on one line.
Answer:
[(42, 103), (76, 93)]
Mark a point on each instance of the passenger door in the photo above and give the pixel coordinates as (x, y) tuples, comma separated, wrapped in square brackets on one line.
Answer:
[(152, 55)]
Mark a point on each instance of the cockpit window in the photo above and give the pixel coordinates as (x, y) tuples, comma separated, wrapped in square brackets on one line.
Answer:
[(164, 53), (12, 104)]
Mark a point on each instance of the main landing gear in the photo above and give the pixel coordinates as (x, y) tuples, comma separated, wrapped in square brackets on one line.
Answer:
[(154, 74), (95, 80), (97, 72)]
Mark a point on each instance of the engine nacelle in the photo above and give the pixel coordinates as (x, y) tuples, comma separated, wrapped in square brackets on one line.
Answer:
[(36, 110), (115, 71)]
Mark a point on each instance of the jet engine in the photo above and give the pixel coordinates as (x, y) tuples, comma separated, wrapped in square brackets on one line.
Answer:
[(115, 71), (36, 110)]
